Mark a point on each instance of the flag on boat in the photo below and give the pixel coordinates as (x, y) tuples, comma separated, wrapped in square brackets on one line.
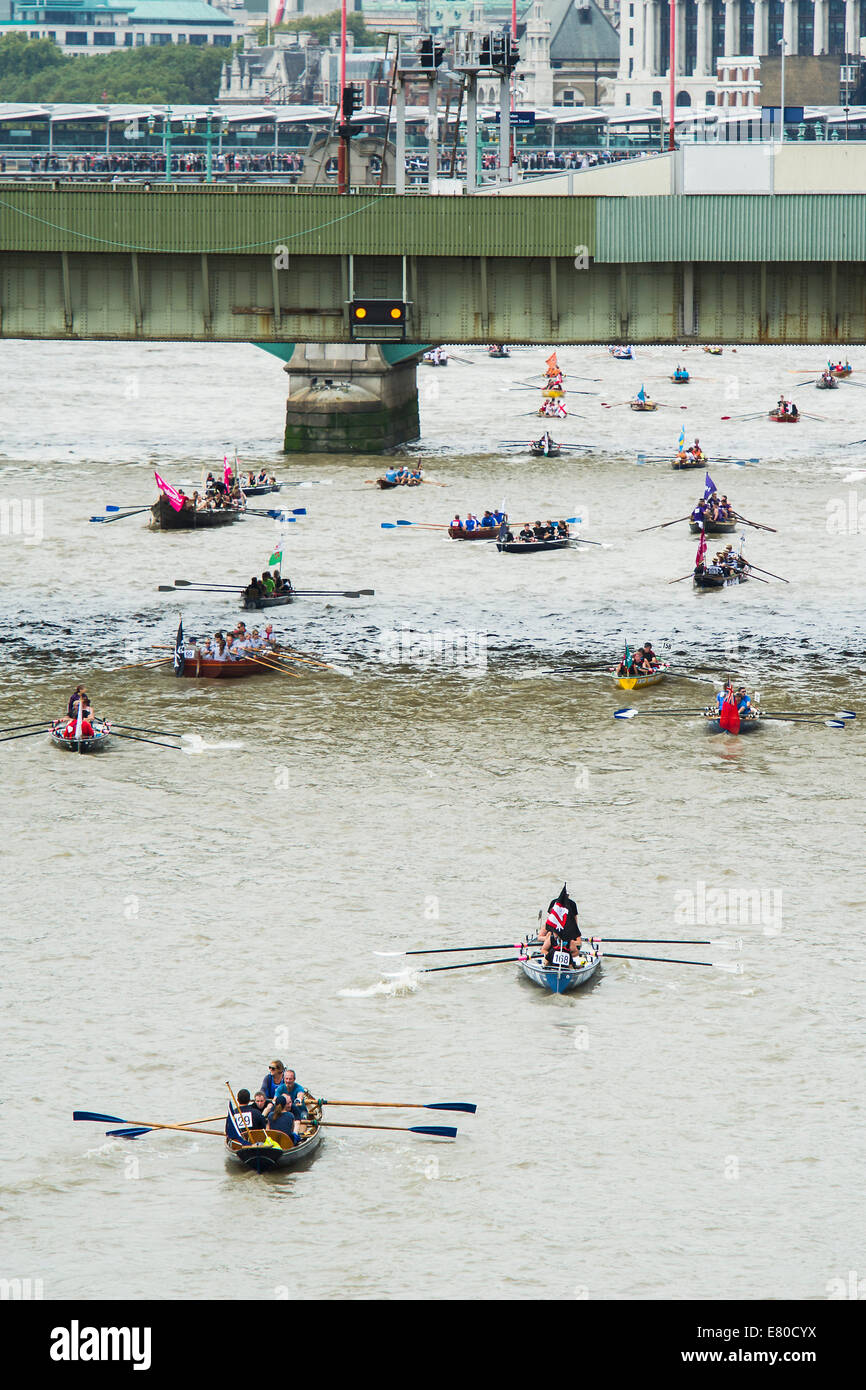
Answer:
[(227, 472), (709, 487), (178, 658), (702, 547), (681, 442), (729, 715), (236, 1125), (276, 558), (641, 395), (551, 363), (628, 655), (79, 719), (174, 497)]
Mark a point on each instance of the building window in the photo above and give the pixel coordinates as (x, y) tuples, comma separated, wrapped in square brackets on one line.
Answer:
[(127, 40), (718, 27), (631, 67), (710, 99), (181, 38), (198, 39), (160, 39), (775, 26), (631, 38), (222, 40), (747, 28), (568, 97), (657, 98), (805, 26), (76, 37), (628, 98), (139, 40), (103, 40), (836, 27), (683, 99)]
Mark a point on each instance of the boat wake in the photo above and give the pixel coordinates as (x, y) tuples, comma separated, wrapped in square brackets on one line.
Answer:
[(404, 982)]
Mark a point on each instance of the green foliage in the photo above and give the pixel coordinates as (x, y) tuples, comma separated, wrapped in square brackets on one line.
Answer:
[(323, 26), (36, 70)]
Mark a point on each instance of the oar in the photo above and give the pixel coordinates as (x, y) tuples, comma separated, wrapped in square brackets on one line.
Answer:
[(504, 960), (34, 724), (438, 1131), (690, 575), (759, 526), (97, 1118), (663, 524), (630, 711), (425, 525), (31, 734), (272, 666), (753, 566), (136, 738), (449, 950), (463, 1105), (668, 960), (654, 941), (107, 520), (829, 723), (143, 665), (135, 729), (333, 593), (130, 507), (758, 414), (808, 714), (282, 514), (148, 1129), (807, 416)]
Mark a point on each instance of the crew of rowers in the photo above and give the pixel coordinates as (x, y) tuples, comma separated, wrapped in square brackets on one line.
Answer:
[(545, 445), (79, 699), (561, 931), (555, 380), (541, 531), (406, 477), (436, 357), (639, 663), (786, 407), (271, 585), (237, 645), (681, 374), (839, 368), (726, 562), (553, 410), (694, 454), (489, 521), (713, 508), (740, 698), (827, 379), (280, 1103)]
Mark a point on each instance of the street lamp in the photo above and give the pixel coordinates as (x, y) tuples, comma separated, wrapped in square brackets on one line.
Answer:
[(783, 43)]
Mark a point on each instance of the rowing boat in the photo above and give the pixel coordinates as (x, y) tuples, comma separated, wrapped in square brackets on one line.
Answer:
[(781, 419), (748, 724), (827, 383), (384, 483), (689, 462), (539, 450), (720, 580), (681, 380), (259, 489), (101, 735), (639, 682), (523, 547), (643, 405), (498, 352), (267, 600), (165, 518), (553, 393), (713, 351), (713, 528), (621, 354), (208, 669), (262, 1157), (560, 977), (842, 371), (481, 533)]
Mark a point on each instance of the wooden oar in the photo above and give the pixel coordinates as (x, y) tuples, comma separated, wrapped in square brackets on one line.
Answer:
[(758, 414), (690, 575), (144, 665), (100, 1119), (806, 416), (424, 525), (758, 525), (438, 1131), (629, 712), (136, 738), (465, 1106), (663, 524), (272, 666), (753, 566), (31, 734)]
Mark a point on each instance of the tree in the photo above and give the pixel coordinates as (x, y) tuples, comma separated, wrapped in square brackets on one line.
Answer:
[(36, 70), (323, 26)]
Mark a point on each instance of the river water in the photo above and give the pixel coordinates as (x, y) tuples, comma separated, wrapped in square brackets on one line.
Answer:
[(173, 920)]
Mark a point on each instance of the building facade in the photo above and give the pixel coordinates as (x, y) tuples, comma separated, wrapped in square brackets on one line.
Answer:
[(100, 26), (707, 31)]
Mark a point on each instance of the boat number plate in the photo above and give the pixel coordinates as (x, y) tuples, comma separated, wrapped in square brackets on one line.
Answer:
[(561, 958)]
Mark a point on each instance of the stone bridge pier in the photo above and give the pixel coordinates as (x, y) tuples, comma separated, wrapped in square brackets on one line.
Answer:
[(350, 398)]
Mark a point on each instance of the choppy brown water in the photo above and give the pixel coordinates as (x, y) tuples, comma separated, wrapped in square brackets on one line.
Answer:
[(171, 919)]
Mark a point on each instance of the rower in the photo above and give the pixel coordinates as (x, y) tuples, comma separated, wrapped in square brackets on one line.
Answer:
[(550, 531), (471, 523), (391, 475), (696, 451), (562, 530), (527, 534), (744, 704), (269, 638), (457, 524), (253, 1117), (78, 696), (700, 511), (267, 582), (650, 656), (538, 531), (488, 519), (283, 1120), (560, 931)]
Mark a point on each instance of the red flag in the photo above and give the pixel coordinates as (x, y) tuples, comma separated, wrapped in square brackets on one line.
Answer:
[(174, 497), (702, 547), (551, 364), (729, 715)]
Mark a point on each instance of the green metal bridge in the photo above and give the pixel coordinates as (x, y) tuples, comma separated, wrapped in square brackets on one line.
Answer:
[(278, 267)]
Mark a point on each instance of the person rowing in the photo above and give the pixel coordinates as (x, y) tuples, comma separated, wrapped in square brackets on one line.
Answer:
[(650, 656), (695, 451), (561, 931), (700, 511), (527, 533)]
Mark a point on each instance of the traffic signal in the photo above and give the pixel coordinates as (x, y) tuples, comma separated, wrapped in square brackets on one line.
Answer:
[(377, 312), (484, 55), (353, 100), (512, 53), (425, 52)]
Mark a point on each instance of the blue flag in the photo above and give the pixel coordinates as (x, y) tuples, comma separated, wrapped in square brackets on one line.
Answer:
[(681, 442), (641, 395), (709, 486)]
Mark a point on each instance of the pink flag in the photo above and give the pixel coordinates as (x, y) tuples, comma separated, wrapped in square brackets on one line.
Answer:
[(227, 472), (702, 547), (174, 497)]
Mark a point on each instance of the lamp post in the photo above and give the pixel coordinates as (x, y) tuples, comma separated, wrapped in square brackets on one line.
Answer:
[(783, 44), (672, 46)]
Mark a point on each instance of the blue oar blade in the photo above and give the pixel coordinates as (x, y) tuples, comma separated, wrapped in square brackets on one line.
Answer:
[(438, 1131), (126, 1133), (835, 723), (385, 525), (465, 1105), (98, 518), (846, 714), (100, 1119), (624, 713)]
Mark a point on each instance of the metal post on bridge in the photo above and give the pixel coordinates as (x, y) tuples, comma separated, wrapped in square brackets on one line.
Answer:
[(471, 131), (433, 131), (505, 126), (400, 138)]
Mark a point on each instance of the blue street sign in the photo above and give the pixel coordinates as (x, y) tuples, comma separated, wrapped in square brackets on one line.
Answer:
[(519, 118)]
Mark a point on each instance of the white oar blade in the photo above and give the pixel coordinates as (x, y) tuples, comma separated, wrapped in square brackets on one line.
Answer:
[(624, 713), (735, 969), (389, 953), (835, 723), (845, 714), (735, 945)]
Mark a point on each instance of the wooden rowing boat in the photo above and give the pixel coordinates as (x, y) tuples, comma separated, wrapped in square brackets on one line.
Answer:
[(781, 419), (267, 600), (560, 978), (842, 371), (264, 1158), (385, 483), (681, 380), (713, 528), (639, 682), (527, 547), (207, 669), (689, 462), (713, 351), (720, 580), (621, 354), (96, 744), (481, 533), (643, 405), (165, 518)]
